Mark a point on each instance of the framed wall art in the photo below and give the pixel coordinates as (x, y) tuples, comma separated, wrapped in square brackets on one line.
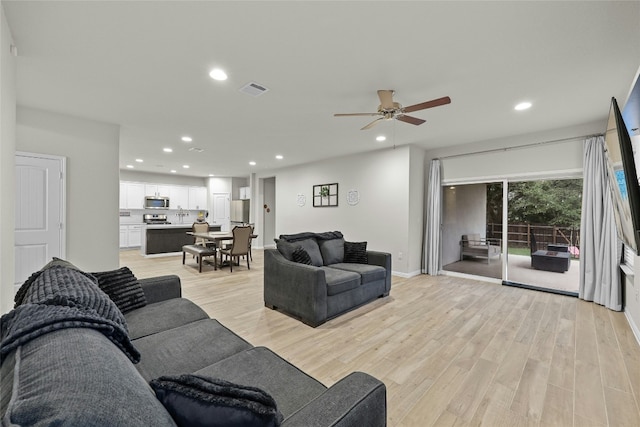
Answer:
[(325, 195)]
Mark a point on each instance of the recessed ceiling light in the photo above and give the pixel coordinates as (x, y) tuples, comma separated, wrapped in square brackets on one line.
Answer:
[(185, 166), (252, 163), (279, 157), (211, 174), (168, 150), (381, 138), (523, 106), (173, 171), (186, 139), (139, 160), (130, 166), (218, 74)]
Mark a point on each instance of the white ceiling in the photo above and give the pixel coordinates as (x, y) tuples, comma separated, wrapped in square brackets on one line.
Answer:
[(144, 65)]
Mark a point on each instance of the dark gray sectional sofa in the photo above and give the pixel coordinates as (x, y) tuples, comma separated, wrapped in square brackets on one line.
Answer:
[(335, 281), (79, 375)]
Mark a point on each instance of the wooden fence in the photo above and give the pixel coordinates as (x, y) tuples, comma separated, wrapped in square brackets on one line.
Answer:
[(520, 235)]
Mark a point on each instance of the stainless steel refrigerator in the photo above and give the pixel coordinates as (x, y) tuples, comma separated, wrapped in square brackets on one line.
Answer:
[(240, 211)]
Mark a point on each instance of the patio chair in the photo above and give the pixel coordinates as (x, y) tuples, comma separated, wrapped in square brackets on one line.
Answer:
[(473, 245)]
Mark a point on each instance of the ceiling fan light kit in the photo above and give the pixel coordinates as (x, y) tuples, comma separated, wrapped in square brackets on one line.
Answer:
[(389, 110)]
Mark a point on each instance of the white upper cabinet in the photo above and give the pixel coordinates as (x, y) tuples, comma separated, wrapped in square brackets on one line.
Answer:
[(132, 195), (245, 193), (178, 197), (198, 198)]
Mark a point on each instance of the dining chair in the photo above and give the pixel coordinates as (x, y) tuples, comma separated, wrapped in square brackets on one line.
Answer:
[(200, 227), (239, 247)]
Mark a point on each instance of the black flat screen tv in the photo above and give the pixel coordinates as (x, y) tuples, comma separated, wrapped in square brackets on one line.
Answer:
[(623, 178)]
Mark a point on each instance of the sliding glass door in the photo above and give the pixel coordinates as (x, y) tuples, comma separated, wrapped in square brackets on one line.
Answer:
[(524, 233), (471, 242), (544, 234)]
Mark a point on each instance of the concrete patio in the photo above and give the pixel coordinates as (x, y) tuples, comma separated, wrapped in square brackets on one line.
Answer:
[(519, 270)]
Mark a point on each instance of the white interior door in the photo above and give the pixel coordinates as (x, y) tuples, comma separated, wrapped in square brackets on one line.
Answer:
[(221, 210), (39, 221)]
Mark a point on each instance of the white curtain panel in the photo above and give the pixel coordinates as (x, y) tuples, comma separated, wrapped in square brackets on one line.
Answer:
[(434, 214), (599, 255)]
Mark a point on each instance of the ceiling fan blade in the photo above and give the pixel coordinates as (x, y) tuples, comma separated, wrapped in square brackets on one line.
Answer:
[(386, 99), (356, 114), (429, 104), (408, 119), (372, 124)]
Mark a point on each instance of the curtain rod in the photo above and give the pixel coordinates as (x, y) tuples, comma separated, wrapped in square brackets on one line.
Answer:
[(494, 150)]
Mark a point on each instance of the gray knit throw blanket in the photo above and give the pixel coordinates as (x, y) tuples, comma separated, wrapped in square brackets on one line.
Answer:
[(327, 235), (60, 298)]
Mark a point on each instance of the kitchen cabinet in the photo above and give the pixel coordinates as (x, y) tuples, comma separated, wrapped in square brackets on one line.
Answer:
[(135, 236), (198, 198), (130, 236), (159, 190), (245, 193), (123, 236), (132, 195), (178, 197)]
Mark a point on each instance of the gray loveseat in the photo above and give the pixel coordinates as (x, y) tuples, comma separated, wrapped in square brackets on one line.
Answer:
[(338, 276), (83, 372)]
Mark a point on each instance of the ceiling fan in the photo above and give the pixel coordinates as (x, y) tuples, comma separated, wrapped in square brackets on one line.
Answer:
[(388, 109)]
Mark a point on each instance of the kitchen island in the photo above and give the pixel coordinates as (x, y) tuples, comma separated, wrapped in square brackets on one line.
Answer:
[(166, 239)]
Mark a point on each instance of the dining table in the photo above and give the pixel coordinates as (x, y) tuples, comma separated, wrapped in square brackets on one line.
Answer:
[(216, 237)]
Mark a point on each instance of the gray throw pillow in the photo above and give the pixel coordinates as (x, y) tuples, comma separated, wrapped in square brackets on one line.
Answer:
[(197, 401), (311, 246), (332, 251), (286, 248)]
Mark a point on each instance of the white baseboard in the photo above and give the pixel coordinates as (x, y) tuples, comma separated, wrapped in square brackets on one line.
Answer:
[(634, 327), (470, 276), (406, 275)]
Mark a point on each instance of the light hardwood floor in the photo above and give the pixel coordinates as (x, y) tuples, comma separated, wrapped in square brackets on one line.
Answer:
[(451, 351)]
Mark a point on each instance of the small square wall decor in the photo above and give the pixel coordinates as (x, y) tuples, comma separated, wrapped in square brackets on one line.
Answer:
[(325, 195)]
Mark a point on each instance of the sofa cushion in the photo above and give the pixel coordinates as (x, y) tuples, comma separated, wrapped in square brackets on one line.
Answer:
[(77, 377), (260, 367), (368, 273), (186, 348), (197, 401), (286, 248), (332, 251), (301, 256), (161, 316), (312, 248), (122, 287), (339, 280), (355, 252)]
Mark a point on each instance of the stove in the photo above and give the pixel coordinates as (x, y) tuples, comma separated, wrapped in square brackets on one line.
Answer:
[(155, 219)]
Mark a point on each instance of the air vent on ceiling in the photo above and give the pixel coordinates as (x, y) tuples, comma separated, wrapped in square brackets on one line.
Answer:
[(253, 89), (196, 149)]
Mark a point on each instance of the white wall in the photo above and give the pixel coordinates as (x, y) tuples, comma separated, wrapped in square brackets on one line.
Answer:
[(464, 212), (512, 157), (159, 178), (269, 218), (382, 217), (7, 164), (417, 197), (91, 149)]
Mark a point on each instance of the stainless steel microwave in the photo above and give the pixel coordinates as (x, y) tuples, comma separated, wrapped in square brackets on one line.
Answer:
[(156, 202)]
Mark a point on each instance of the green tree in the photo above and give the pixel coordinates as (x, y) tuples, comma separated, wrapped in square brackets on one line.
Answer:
[(544, 202)]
